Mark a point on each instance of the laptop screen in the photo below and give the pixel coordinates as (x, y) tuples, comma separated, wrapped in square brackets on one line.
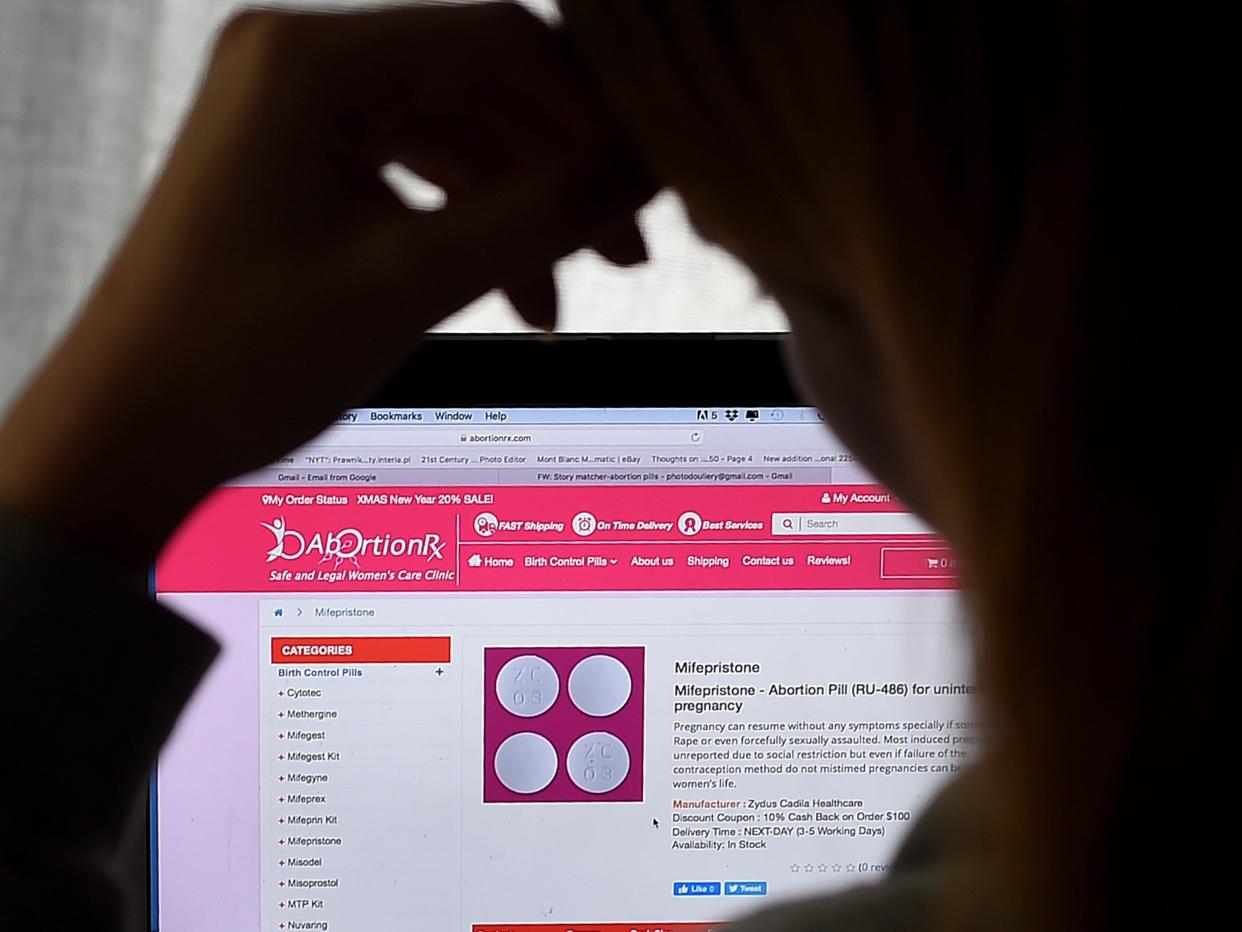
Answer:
[(542, 670)]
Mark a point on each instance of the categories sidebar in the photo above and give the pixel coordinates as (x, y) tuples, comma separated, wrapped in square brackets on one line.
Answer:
[(360, 746)]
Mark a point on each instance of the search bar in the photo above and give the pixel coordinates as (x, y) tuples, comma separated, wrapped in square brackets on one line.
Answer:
[(828, 524), (482, 435)]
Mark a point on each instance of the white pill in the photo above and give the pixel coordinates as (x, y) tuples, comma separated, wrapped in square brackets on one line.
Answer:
[(527, 685), (598, 762), (526, 762), (599, 685)]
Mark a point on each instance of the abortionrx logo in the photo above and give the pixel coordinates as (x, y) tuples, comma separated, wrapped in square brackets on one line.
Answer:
[(348, 544)]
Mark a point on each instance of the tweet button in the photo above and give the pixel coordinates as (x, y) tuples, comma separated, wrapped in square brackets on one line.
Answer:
[(746, 888)]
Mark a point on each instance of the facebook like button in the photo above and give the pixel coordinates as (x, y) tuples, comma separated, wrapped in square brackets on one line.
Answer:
[(696, 888), (746, 888)]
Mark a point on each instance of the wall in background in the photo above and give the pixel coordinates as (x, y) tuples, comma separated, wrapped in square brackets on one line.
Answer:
[(91, 92)]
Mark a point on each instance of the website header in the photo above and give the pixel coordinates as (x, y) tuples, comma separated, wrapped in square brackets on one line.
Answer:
[(550, 539)]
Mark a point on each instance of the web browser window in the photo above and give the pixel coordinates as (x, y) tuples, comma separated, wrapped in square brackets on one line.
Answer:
[(541, 670)]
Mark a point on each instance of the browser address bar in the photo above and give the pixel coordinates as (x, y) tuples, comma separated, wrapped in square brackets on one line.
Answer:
[(476, 435), (826, 524)]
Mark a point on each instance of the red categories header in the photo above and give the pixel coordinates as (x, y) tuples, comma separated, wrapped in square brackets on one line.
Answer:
[(362, 650), (533, 539)]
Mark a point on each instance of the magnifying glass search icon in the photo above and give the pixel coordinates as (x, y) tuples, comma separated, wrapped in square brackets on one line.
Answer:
[(787, 524)]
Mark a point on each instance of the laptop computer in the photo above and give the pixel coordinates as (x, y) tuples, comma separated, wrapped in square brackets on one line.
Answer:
[(594, 633)]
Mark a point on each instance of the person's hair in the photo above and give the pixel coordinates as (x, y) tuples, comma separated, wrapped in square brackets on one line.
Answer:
[(966, 178)]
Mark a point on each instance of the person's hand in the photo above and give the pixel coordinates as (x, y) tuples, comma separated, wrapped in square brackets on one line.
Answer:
[(273, 278)]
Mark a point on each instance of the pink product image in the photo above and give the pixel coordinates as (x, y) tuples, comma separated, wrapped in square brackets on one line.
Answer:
[(562, 724)]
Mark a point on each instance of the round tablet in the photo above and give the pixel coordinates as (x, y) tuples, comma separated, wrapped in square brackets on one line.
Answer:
[(527, 685), (598, 762), (599, 685), (525, 762)]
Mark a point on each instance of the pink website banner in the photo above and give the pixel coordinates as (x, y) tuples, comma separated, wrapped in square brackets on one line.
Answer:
[(514, 539)]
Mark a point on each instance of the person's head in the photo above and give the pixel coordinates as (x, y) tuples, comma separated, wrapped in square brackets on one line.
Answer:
[(945, 200)]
